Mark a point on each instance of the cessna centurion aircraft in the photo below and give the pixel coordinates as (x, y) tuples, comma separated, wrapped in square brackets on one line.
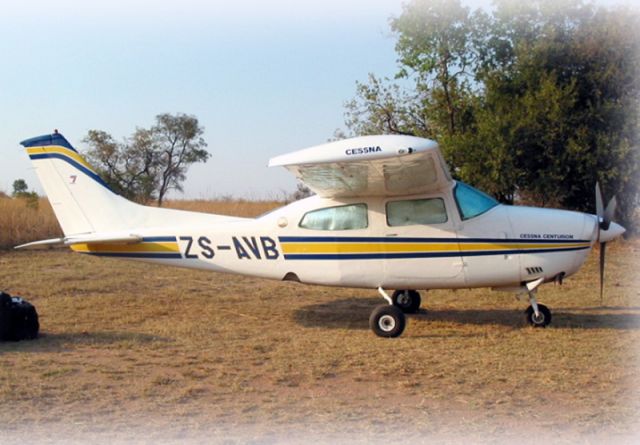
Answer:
[(387, 215)]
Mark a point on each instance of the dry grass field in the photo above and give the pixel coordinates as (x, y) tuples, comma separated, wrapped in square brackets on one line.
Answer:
[(136, 353), (22, 221), (131, 350)]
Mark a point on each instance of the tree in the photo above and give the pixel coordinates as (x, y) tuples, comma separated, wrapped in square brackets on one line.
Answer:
[(21, 191), (20, 187), (534, 101), (567, 94), (435, 46), (383, 108), (152, 161), (128, 167), (179, 142)]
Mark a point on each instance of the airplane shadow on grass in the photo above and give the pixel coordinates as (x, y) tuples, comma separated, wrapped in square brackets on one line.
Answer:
[(47, 342), (353, 313)]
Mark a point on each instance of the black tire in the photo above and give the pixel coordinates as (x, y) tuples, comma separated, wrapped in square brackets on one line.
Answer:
[(387, 321), (407, 300), (543, 320)]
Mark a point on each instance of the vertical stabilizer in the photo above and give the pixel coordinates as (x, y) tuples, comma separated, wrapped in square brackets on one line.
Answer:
[(81, 200)]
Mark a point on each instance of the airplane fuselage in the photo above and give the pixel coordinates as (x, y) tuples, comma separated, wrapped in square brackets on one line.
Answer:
[(503, 246)]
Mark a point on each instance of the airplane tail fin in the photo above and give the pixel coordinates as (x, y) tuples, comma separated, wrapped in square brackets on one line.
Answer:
[(84, 204), (81, 200)]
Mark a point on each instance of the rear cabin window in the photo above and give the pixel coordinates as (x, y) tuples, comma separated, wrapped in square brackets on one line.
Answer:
[(349, 217), (416, 212)]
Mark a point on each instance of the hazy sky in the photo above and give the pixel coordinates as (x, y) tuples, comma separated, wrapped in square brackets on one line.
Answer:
[(263, 77)]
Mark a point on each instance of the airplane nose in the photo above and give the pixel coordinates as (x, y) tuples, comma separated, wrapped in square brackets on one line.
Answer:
[(614, 231)]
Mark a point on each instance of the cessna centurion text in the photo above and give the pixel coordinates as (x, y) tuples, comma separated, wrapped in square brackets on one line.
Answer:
[(386, 215)]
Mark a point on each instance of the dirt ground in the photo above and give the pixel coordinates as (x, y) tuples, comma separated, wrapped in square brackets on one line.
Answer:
[(136, 353)]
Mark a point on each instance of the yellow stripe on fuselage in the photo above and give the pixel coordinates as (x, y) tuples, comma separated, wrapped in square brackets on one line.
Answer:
[(329, 247), (127, 248), (60, 150)]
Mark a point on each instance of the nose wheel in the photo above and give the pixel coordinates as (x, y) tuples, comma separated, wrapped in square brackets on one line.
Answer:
[(539, 320), (537, 315)]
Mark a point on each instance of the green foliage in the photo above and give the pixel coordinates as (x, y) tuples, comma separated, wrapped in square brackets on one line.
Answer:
[(435, 45), (19, 187), (21, 191), (383, 108), (179, 142), (437, 56), (569, 94), (534, 102), (130, 167), (152, 161)]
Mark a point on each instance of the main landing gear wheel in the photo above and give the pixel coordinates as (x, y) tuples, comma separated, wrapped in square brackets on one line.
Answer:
[(387, 321), (407, 300), (543, 318)]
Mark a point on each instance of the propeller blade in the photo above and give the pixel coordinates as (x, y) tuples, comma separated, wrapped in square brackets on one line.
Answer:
[(609, 213), (599, 206), (603, 248), (605, 216)]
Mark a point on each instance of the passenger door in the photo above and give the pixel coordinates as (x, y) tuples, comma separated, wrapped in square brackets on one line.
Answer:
[(421, 243)]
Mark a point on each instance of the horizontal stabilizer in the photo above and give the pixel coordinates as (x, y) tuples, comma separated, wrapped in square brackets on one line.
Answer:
[(87, 239)]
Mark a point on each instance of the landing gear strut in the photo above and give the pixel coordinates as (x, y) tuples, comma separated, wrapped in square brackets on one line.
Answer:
[(387, 320), (537, 315)]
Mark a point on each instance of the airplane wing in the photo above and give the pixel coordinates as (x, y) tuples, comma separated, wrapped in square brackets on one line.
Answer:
[(388, 165)]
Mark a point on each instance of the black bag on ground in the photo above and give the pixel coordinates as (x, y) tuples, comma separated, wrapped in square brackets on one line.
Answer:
[(18, 319)]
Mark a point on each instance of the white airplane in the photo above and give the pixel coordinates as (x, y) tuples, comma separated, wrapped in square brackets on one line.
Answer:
[(386, 215)]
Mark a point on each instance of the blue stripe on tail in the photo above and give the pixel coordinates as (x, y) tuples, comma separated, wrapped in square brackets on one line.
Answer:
[(67, 159), (47, 140)]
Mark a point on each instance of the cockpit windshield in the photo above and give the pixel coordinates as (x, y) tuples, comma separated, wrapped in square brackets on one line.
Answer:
[(472, 202)]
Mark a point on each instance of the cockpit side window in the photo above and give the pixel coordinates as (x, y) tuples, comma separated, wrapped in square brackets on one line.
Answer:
[(472, 202), (416, 212), (347, 217)]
